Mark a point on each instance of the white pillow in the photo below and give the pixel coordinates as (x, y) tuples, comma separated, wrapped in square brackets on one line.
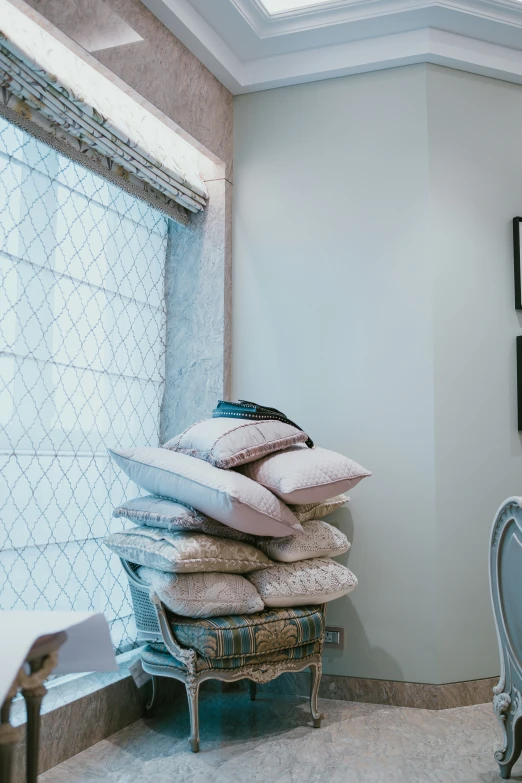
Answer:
[(185, 552), (224, 495), (303, 475), (204, 595), (301, 584), (171, 515), (306, 511), (226, 443), (319, 539)]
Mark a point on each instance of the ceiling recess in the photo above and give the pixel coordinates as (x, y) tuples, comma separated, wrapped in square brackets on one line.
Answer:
[(254, 45)]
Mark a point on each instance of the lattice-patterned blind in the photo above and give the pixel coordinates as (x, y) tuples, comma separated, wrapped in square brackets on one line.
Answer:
[(82, 328)]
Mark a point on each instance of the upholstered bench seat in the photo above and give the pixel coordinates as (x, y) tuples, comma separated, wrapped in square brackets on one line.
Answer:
[(273, 629), (157, 654)]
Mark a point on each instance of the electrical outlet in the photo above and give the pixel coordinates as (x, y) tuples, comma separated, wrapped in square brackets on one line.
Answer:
[(334, 637)]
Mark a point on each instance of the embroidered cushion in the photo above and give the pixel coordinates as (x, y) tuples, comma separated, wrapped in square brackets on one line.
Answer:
[(297, 584), (267, 631), (203, 595), (303, 475), (307, 511), (183, 552), (224, 495), (318, 540), (156, 654), (170, 515), (226, 443)]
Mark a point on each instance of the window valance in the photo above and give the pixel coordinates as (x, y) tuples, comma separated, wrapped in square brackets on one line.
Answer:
[(46, 82)]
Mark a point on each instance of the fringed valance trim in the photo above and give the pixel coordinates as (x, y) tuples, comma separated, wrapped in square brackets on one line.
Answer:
[(172, 210)]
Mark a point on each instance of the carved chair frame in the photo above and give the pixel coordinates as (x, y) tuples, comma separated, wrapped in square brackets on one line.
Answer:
[(156, 626), (505, 567)]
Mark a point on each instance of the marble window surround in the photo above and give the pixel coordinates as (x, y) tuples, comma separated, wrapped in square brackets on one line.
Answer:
[(157, 67)]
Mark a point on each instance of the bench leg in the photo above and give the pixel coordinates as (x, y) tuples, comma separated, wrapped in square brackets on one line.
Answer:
[(193, 699), (252, 686), (316, 670)]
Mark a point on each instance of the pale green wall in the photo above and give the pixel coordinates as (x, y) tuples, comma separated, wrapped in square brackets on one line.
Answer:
[(475, 142), (373, 302), (332, 323)]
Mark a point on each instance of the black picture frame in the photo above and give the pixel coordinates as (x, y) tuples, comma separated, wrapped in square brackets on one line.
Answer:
[(517, 244), (519, 381)]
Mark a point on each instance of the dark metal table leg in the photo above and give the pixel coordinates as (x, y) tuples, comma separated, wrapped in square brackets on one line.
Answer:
[(8, 739), (33, 703)]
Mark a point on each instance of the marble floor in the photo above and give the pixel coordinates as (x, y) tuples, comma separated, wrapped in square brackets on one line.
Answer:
[(271, 740)]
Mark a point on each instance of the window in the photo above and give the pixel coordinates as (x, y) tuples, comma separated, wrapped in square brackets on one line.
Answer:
[(82, 344)]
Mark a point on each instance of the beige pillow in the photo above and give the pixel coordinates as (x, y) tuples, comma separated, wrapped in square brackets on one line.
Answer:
[(303, 475), (307, 511), (319, 539), (226, 443), (301, 584), (184, 552), (204, 595), (224, 495), (170, 515)]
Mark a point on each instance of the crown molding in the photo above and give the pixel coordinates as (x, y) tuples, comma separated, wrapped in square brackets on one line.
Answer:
[(429, 44), (340, 12)]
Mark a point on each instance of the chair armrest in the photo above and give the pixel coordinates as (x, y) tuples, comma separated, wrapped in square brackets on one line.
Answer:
[(184, 654)]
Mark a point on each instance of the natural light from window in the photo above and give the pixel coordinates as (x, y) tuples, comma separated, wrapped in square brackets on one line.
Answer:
[(280, 6)]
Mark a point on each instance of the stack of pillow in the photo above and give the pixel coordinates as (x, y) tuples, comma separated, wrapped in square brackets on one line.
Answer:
[(234, 519)]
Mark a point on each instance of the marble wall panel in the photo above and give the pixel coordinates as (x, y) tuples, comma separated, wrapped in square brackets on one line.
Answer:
[(159, 67), (397, 694), (198, 299)]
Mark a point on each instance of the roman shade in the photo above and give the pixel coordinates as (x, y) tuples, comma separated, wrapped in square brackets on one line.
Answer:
[(48, 83)]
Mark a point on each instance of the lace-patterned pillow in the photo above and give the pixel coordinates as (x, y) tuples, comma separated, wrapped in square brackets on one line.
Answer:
[(204, 595), (302, 475), (319, 539), (184, 552), (227, 443), (307, 511), (169, 515), (301, 584)]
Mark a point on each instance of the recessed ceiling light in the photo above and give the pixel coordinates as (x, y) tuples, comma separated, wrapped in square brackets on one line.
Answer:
[(280, 6)]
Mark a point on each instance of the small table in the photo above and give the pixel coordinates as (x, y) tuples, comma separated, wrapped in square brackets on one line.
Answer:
[(41, 660), (34, 644)]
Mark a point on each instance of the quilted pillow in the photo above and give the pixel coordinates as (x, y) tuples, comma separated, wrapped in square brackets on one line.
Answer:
[(224, 495), (184, 552), (318, 540), (204, 595), (170, 515), (300, 584), (226, 443), (302, 475), (306, 511)]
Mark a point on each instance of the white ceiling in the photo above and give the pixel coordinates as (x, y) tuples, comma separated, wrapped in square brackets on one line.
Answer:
[(258, 44)]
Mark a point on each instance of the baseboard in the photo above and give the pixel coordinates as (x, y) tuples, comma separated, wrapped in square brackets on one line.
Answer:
[(397, 694)]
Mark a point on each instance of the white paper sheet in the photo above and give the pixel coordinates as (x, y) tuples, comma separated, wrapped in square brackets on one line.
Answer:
[(88, 647)]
